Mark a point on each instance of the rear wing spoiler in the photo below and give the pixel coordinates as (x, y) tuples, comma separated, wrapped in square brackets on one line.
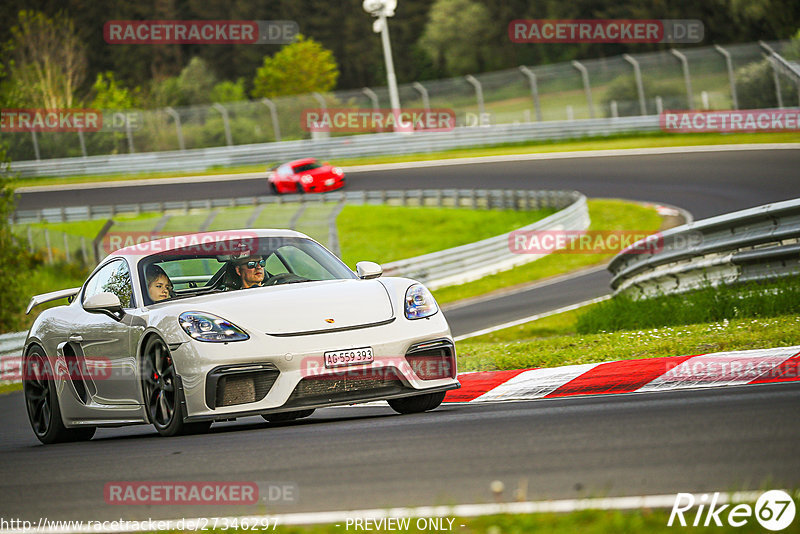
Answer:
[(55, 295)]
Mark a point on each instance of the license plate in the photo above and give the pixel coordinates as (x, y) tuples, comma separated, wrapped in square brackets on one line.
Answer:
[(330, 181), (340, 358)]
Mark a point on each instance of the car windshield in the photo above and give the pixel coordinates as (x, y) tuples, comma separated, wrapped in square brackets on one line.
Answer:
[(210, 267), (307, 167)]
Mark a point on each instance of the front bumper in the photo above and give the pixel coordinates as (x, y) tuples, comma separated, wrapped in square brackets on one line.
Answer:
[(268, 374)]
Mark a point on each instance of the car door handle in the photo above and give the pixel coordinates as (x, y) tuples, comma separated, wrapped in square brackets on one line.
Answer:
[(75, 338)]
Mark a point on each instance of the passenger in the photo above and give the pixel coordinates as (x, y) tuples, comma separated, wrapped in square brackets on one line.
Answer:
[(251, 271), (159, 286)]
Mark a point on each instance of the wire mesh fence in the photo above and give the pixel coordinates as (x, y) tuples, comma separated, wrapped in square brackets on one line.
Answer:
[(604, 87)]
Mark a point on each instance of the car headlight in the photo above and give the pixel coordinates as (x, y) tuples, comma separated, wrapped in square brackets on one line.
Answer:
[(337, 171), (419, 302), (306, 179), (208, 327)]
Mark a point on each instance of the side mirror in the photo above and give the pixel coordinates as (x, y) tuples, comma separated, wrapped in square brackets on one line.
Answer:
[(103, 303), (368, 269)]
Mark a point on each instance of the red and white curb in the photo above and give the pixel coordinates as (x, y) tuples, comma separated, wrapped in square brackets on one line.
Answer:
[(632, 376)]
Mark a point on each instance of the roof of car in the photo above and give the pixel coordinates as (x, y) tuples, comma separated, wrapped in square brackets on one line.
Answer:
[(301, 161)]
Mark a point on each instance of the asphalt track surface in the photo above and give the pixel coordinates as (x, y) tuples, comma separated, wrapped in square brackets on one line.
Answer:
[(365, 457), (369, 457)]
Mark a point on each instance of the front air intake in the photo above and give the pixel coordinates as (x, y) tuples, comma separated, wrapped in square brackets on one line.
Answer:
[(231, 386)]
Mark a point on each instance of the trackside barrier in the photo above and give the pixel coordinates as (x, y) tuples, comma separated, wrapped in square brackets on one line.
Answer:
[(475, 260), (759, 243), (332, 148)]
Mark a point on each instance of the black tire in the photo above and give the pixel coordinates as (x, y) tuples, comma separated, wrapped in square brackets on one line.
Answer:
[(287, 416), (273, 189), (300, 189), (41, 402), (418, 403), (161, 393)]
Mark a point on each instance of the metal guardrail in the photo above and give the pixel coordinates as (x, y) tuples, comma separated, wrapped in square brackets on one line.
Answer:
[(470, 198), (333, 148), (759, 243), (475, 260)]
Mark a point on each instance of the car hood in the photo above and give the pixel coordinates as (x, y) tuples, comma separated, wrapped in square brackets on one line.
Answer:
[(291, 309), (321, 172)]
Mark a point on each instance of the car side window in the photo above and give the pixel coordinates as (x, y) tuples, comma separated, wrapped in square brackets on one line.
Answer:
[(115, 278)]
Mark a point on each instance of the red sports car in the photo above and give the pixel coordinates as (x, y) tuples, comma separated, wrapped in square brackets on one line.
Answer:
[(305, 176)]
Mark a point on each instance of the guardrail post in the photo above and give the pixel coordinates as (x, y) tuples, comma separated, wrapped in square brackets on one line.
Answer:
[(637, 74), (67, 253), (659, 105), (129, 135), (731, 76), (426, 103), (478, 93), (534, 91), (30, 240), (372, 96), (84, 252), (177, 118), (47, 245), (226, 123), (587, 88), (614, 110), (776, 80), (83, 143), (35, 145), (323, 106), (273, 112), (687, 80)]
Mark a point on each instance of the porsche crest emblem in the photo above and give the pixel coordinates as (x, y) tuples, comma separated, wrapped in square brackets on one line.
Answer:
[(329, 321)]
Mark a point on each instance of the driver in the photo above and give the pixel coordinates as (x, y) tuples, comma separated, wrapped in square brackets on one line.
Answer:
[(250, 270)]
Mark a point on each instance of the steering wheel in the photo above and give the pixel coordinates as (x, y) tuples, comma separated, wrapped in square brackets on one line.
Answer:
[(284, 278)]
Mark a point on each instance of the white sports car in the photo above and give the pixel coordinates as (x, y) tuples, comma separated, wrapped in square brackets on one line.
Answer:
[(164, 332)]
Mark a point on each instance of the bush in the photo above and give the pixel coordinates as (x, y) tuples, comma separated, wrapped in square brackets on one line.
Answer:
[(623, 91), (755, 87)]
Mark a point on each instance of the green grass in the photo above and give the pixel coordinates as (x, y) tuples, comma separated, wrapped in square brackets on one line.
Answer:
[(637, 140), (10, 388), (605, 215), (388, 233), (480, 354), (705, 305)]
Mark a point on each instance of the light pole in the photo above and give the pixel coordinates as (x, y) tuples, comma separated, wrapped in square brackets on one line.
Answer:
[(382, 9)]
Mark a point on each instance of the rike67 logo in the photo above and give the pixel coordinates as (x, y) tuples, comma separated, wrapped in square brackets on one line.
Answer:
[(774, 510)]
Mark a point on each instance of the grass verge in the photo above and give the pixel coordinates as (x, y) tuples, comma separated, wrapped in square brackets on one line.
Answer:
[(780, 297), (388, 233), (632, 140), (605, 215)]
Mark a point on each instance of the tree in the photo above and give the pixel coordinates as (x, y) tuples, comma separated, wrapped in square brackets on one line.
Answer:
[(109, 94), (457, 36), (303, 66), (12, 298), (192, 86), (49, 61), (229, 91)]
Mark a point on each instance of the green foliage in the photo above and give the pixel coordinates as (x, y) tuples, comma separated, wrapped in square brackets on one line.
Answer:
[(192, 86), (623, 91), (13, 257), (457, 36), (303, 66), (705, 305), (229, 91), (755, 87), (110, 94)]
